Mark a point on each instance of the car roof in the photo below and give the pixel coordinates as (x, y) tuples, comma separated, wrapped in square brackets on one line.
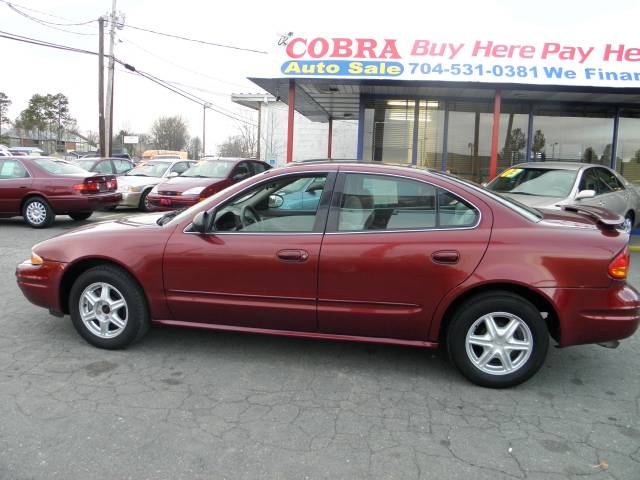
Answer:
[(558, 165)]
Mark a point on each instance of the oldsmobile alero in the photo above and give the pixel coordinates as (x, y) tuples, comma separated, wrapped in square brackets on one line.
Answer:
[(387, 254)]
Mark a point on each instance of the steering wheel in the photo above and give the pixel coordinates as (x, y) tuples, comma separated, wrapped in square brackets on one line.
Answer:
[(248, 216)]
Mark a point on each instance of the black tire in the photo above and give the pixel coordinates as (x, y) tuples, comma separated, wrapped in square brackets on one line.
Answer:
[(78, 216), (37, 213), (137, 314), (143, 206), (470, 316)]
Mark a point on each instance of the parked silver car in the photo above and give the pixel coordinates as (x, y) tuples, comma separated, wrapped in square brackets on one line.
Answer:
[(553, 184), (136, 184)]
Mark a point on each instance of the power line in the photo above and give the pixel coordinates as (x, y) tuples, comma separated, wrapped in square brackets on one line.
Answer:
[(46, 24), (47, 14), (181, 92), (204, 42)]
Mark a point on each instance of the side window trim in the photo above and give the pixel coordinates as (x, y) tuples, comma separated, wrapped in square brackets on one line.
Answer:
[(332, 221)]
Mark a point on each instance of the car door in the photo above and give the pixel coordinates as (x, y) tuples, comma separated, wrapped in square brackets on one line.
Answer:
[(15, 182), (259, 275), (617, 199), (394, 247)]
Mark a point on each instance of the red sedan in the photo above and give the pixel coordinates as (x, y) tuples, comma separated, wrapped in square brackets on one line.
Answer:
[(387, 254), (39, 188), (201, 181)]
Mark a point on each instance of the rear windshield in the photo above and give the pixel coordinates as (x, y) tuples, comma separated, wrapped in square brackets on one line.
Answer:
[(210, 169), (58, 167), (149, 169), (86, 164), (543, 182)]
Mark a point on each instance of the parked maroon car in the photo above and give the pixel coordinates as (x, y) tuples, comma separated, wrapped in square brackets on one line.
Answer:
[(203, 180), (390, 255), (39, 188)]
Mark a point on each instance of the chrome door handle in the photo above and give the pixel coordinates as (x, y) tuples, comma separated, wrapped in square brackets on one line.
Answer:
[(293, 255)]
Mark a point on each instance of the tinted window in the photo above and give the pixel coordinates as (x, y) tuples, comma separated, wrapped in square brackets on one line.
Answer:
[(535, 181), (122, 166), (258, 167), (241, 171), (609, 179), (376, 202), (591, 181), (58, 167), (272, 207), (12, 169), (103, 167)]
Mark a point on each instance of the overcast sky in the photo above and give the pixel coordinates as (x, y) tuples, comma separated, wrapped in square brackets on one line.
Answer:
[(214, 73)]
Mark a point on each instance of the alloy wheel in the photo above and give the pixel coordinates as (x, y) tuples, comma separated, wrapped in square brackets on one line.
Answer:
[(36, 212), (499, 343), (103, 310)]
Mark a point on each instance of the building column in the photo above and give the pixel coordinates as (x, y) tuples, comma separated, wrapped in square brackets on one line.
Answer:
[(614, 144), (292, 111), (330, 139), (493, 165)]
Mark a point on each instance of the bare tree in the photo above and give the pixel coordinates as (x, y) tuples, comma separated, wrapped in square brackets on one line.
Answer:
[(243, 144), (170, 133)]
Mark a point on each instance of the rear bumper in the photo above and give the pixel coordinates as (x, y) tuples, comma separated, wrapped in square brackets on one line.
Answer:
[(40, 283), (84, 203), (171, 202), (130, 199), (590, 315)]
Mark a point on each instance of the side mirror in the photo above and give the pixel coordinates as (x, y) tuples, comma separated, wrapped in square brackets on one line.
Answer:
[(585, 194), (202, 222), (275, 201), (173, 174)]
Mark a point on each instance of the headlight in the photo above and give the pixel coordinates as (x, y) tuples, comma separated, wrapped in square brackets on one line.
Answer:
[(132, 189), (193, 191), (36, 259)]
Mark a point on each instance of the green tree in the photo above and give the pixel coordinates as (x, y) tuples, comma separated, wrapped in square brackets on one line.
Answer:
[(195, 148), (605, 159), (538, 142), (47, 113), (513, 144), (4, 106), (636, 156), (170, 133), (590, 155)]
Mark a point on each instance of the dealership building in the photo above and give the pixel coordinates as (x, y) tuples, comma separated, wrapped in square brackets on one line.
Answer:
[(470, 107)]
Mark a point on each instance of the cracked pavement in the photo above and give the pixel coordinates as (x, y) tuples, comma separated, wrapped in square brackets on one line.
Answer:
[(187, 404)]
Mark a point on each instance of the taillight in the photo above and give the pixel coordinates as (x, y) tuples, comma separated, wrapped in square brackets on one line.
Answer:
[(87, 187), (619, 267)]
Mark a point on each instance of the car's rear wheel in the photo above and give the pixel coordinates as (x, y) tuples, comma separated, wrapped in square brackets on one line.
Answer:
[(498, 339), (80, 215), (108, 307), (144, 201), (37, 212)]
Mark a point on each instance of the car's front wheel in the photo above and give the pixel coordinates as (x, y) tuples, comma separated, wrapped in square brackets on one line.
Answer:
[(498, 339), (108, 307), (144, 201)]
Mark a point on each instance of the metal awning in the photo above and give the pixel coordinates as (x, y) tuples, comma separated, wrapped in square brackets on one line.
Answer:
[(321, 98)]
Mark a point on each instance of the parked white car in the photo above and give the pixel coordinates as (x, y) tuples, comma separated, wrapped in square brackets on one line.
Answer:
[(554, 184)]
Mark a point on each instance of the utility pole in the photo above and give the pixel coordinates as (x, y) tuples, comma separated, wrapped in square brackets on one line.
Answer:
[(101, 138), (204, 128), (113, 19)]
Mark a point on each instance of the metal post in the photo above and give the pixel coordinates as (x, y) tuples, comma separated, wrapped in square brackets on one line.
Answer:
[(530, 135), (330, 139), (292, 111), (445, 139), (101, 132), (414, 140), (360, 145), (614, 144), (259, 130), (493, 165)]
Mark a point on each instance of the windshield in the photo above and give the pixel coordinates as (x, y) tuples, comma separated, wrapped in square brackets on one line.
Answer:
[(149, 169), (210, 169), (543, 182), (58, 167)]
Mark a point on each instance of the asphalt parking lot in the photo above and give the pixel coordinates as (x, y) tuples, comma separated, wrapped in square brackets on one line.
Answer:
[(186, 404)]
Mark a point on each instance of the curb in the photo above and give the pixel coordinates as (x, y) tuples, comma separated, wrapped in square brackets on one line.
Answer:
[(634, 248)]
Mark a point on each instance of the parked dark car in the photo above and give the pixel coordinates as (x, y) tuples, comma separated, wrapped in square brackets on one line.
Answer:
[(203, 180), (109, 166), (391, 255), (39, 188)]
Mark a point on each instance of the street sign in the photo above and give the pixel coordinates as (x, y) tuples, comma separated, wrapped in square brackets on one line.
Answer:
[(130, 139)]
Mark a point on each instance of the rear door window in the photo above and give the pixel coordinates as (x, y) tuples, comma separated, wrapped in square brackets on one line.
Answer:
[(591, 181), (12, 169)]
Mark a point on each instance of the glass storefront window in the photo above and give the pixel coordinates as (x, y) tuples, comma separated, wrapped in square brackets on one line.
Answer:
[(388, 130), (573, 133), (469, 139), (628, 153), (512, 137), (430, 133)]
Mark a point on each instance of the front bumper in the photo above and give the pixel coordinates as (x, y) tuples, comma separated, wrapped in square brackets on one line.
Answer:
[(130, 199), (591, 315), (171, 202), (40, 283)]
